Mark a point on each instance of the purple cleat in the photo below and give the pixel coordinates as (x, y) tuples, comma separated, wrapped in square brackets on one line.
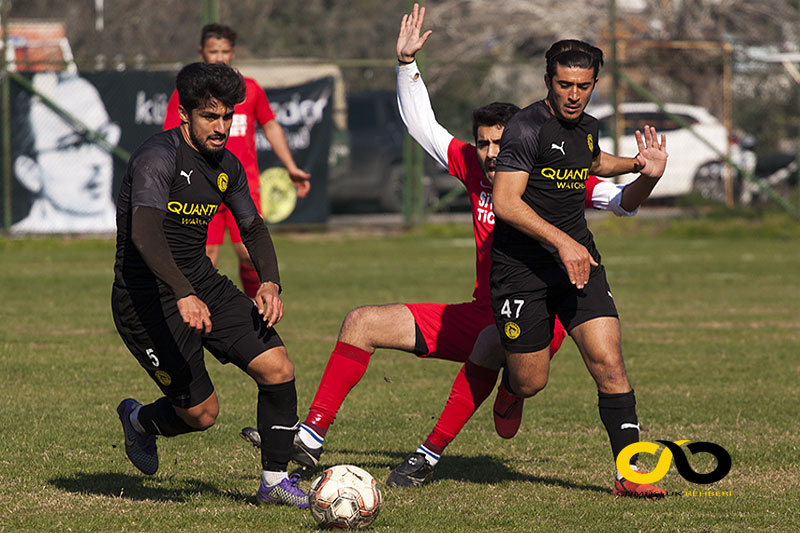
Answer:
[(286, 493)]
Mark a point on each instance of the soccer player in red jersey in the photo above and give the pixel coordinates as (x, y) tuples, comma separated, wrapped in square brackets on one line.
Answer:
[(218, 45), (444, 331)]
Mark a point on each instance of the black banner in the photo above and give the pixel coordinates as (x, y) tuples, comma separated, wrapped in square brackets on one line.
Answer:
[(306, 114), (65, 183)]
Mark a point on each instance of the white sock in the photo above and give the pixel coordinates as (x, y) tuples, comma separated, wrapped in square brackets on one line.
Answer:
[(310, 437), (430, 457), (270, 478), (633, 467), (135, 420)]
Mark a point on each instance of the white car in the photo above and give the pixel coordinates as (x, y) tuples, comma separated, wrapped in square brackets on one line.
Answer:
[(692, 165)]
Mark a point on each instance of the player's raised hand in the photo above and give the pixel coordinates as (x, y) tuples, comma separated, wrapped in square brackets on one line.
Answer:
[(652, 156), (301, 180), (269, 303), (578, 262), (195, 313), (409, 41)]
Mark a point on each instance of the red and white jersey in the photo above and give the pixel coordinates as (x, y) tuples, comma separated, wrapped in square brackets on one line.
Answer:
[(461, 160), (242, 141)]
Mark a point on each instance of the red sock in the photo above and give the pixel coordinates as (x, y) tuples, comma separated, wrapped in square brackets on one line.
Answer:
[(250, 280), (472, 386), (345, 367)]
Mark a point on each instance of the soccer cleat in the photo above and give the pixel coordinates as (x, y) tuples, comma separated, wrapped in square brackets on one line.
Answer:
[(251, 435), (623, 487), (412, 472), (507, 412), (304, 455), (284, 493), (139, 447), (301, 454)]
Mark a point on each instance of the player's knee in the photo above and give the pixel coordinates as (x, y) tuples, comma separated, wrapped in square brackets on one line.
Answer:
[(355, 323), (274, 370), (529, 387), (284, 371)]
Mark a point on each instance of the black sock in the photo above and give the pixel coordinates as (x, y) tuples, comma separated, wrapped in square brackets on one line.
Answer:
[(618, 413), (277, 424), (160, 418)]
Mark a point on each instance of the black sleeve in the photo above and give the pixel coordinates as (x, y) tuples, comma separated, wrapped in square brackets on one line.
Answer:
[(519, 145), (147, 234), (258, 242), (153, 171)]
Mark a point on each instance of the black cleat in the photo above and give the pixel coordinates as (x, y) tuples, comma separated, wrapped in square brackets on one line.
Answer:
[(303, 455), (251, 435), (414, 471)]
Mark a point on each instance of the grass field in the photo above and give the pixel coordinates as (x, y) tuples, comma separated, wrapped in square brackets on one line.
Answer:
[(711, 331)]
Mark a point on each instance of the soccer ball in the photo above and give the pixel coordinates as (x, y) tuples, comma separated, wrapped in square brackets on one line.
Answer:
[(345, 497)]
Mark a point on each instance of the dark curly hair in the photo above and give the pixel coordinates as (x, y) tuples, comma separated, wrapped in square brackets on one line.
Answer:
[(494, 114), (199, 83)]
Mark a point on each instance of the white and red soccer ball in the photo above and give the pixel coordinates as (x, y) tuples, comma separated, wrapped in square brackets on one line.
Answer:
[(345, 497)]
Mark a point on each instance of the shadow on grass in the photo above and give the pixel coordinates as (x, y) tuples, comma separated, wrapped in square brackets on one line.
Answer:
[(468, 469), (139, 488)]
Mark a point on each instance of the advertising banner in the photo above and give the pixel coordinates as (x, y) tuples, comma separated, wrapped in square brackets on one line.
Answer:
[(66, 183)]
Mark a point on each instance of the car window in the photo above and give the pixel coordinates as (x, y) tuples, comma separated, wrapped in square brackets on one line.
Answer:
[(636, 120)]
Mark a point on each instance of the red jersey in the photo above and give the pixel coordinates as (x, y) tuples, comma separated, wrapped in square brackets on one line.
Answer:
[(242, 140), (462, 160)]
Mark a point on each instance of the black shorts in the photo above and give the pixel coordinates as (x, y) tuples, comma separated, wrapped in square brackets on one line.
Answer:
[(526, 301), (172, 353)]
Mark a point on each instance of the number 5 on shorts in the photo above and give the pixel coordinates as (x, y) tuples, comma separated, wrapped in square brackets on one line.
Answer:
[(506, 310)]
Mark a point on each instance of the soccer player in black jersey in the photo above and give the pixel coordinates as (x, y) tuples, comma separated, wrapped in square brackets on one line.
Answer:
[(169, 302), (544, 261)]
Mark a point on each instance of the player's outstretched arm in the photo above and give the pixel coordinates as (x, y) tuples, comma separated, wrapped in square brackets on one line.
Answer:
[(652, 159), (413, 100), (652, 156), (411, 40)]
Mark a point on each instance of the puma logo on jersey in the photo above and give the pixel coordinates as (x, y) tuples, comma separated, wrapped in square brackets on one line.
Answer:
[(554, 146), (187, 176)]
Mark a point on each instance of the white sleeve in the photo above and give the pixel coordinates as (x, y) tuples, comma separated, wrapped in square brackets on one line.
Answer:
[(608, 197), (417, 113)]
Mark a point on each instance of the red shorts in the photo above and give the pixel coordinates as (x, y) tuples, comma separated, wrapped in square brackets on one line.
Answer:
[(224, 219), (450, 330)]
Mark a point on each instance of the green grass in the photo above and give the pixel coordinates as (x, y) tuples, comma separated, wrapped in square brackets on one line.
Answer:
[(711, 329)]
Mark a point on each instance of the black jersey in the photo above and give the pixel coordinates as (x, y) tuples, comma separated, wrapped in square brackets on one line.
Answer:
[(557, 156), (166, 173)]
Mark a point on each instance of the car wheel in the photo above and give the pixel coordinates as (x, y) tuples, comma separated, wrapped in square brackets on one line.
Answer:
[(709, 181), (392, 197)]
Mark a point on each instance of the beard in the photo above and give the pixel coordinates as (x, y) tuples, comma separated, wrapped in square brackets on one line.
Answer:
[(201, 145)]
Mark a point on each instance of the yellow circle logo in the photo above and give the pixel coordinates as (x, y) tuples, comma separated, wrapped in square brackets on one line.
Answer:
[(163, 377), (222, 182), (512, 330), (278, 194), (590, 142)]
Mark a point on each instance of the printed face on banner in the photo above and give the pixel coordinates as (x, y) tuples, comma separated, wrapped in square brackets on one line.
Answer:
[(71, 175)]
